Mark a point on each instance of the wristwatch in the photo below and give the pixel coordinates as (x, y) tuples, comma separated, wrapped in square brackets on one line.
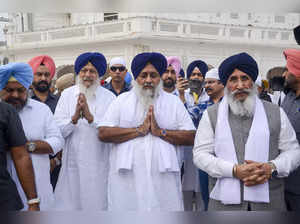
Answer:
[(163, 132), (274, 172), (31, 146)]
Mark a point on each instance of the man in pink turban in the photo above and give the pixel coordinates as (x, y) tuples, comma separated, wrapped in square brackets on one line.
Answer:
[(291, 105), (43, 68), (171, 74)]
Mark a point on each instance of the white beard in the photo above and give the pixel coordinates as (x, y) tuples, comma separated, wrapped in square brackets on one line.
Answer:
[(90, 92), (242, 108), (146, 98)]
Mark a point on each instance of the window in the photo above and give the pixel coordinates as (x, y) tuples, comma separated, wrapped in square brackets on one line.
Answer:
[(110, 16)]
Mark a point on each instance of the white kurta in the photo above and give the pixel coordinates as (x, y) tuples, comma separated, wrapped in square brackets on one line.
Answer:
[(145, 173), (38, 123), (82, 182), (205, 159)]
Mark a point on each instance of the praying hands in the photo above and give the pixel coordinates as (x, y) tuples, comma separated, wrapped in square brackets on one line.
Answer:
[(82, 110), (150, 124)]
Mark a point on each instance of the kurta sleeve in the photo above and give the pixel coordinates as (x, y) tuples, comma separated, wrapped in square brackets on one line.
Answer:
[(53, 135), (112, 115), (63, 116), (289, 158), (203, 151)]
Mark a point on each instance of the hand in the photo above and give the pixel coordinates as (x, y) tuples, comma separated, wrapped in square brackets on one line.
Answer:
[(182, 84), (52, 164), (34, 207), (155, 129), (145, 127), (248, 169), (78, 111), (259, 176), (85, 108)]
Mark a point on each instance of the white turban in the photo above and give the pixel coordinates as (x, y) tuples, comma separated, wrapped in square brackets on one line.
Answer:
[(213, 74), (117, 61)]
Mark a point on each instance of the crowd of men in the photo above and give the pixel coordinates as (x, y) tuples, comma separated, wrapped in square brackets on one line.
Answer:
[(153, 140)]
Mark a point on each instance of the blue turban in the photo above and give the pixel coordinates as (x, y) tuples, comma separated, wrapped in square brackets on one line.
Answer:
[(181, 73), (199, 64), (243, 62), (22, 72), (140, 61), (97, 59)]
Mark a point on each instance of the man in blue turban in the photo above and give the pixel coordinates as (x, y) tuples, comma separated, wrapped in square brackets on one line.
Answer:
[(147, 125), (13, 140), (246, 145), (82, 183), (42, 133)]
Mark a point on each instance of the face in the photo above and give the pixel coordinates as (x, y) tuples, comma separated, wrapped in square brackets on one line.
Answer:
[(290, 80), (196, 74), (88, 74), (169, 77), (15, 94), (239, 84), (117, 72), (148, 78), (42, 79), (213, 86)]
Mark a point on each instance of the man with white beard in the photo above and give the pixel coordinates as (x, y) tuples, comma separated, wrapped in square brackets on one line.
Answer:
[(147, 125), (244, 144), (82, 182)]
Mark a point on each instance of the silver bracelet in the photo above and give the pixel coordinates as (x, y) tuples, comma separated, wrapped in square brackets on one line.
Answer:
[(33, 201)]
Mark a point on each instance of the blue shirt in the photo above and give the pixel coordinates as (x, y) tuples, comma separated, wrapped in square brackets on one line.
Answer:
[(126, 88)]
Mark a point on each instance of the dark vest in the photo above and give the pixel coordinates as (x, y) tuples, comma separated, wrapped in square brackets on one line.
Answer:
[(240, 127)]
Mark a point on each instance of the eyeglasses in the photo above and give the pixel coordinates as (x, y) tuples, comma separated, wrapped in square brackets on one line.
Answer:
[(19, 90), (114, 68)]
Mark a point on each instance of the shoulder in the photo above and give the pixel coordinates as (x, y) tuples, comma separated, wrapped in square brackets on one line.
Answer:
[(6, 108), (69, 91), (105, 92)]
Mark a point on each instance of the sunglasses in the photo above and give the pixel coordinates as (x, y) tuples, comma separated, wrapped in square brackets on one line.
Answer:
[(114, 68)]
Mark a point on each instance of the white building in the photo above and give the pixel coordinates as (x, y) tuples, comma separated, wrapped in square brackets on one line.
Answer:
[(207, 36)]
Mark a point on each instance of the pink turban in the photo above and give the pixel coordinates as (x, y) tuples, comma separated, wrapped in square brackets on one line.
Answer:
[(45, 60), (174, 61), (293, 61)]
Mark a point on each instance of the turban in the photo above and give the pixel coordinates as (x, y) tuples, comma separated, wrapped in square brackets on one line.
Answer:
[(243, 62), (117, 61), (181, 73), (22, 72), (97, 60), (43, 60), (201, 65), (140, 61), (65, 81), (293, 61), (297, 34), (212, 74), (175, 63), (258, 81)]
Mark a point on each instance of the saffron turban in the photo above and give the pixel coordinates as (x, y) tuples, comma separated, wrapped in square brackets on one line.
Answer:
[(293, 61), (22, 72), (96, 59), (243, 62), (212, 74), (140, 61), (174, 61), (201, 65), (181, 73), (43, 60)]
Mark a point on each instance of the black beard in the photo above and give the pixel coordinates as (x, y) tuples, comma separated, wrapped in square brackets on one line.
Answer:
[(40, 88), (169, 84), (16, 103)]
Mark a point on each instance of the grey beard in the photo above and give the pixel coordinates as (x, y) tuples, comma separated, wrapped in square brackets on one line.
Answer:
[(90, 91), (242, 108), (146, 98)]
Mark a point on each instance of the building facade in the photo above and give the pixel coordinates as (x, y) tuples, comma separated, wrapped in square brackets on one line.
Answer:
[(207, 36)]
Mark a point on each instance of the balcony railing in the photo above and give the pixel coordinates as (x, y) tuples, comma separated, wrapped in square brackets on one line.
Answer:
[(152, 26)]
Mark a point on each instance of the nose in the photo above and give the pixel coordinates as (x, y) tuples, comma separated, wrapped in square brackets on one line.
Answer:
[(15, 94), (148, 79), (240, 84)]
